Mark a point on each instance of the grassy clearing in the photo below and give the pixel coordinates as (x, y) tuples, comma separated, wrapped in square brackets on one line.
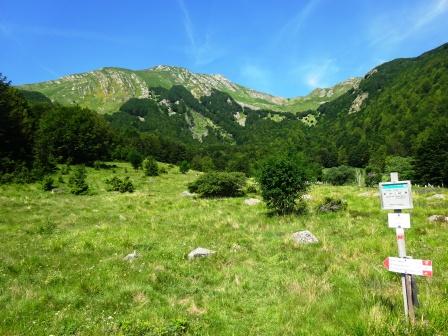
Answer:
[(62, 269)]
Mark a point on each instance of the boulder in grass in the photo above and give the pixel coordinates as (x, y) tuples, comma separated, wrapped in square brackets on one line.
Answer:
[(200, 252), (438, 219), (187, 194), (437, 196), (252, 201), (304, 237), (131, 256)]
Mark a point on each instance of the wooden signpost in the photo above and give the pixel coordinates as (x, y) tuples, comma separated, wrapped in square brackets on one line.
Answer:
[(397, 195)]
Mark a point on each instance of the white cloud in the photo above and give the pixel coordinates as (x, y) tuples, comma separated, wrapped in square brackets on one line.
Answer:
[(396, 27), (320, 73), (203, 52), (296, 23)]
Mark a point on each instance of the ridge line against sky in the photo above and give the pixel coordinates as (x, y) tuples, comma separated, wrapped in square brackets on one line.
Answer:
[(286, 48)]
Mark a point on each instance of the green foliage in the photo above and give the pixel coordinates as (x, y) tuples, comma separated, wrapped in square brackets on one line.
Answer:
[(251, 187), (373, 176), (121, 185), (282, 181), (47, 183), (219, 184), (150, 166), (339, 175), (404, 166), (77, 181), (184, 167), (72, 134), (135, 158), (65, 169), (203, 163), (431, 163), (331, 204)]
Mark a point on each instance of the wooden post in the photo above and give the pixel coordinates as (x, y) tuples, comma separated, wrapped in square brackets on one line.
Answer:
[(405, 278)]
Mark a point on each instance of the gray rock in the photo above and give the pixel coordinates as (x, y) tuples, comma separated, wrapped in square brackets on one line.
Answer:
[(187, 194), (57, 191), (131, 256), (252, 201), (438, 219), (304, 237), (307, 197), (200, 252), (437, 196)]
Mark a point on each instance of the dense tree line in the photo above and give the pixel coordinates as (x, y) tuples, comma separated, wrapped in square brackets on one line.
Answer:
[(402, 123)]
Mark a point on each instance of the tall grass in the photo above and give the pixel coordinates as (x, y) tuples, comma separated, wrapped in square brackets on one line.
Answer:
[(62, 269)]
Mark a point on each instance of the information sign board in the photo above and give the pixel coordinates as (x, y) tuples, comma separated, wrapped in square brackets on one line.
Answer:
[(396, 195)]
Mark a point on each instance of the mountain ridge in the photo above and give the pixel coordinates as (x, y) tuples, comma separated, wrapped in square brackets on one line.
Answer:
[(105, 89)]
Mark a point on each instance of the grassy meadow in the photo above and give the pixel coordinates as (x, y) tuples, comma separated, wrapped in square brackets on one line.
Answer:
[(62, 270)]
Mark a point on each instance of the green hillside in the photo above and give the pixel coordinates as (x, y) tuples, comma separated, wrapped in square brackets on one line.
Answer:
[(396, 109)]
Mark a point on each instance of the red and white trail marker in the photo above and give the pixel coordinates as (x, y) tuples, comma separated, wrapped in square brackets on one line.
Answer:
[(409, 266)]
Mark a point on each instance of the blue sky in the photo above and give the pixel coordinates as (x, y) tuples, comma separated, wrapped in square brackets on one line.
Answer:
[(283, 47)]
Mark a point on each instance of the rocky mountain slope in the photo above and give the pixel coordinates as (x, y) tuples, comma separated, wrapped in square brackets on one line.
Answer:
[(105, 90)]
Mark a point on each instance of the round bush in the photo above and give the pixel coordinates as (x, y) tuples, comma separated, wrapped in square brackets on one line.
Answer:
[(150, 167), (219, 184), (282, 181)]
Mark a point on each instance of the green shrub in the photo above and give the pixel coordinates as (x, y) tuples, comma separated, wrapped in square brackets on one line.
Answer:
[(65, 170), (373, 176), (47, 183), (282, 180), (121, 185), (251, 187), (135, 158), (219, 184), (339, 175), (404, 166), (77, 181), (150, 167), (331, 205), (184, 167), (163, 170)]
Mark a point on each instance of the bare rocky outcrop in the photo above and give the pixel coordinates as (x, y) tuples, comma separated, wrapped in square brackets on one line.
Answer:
[(357, 103)]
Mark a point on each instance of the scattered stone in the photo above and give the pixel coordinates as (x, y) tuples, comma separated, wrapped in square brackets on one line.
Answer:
[(200, 252), (438, 219), (235, 247), (332, 205), (131, 256), (252, 201), (307, 197), (187, 194), (437, 196), (304, 237)]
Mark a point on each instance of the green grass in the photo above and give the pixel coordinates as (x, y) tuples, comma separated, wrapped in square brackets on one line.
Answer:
[(62, 270)]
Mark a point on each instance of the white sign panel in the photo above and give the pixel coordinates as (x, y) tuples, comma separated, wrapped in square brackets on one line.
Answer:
[(396, 195), (399, 220), (409, 266)]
